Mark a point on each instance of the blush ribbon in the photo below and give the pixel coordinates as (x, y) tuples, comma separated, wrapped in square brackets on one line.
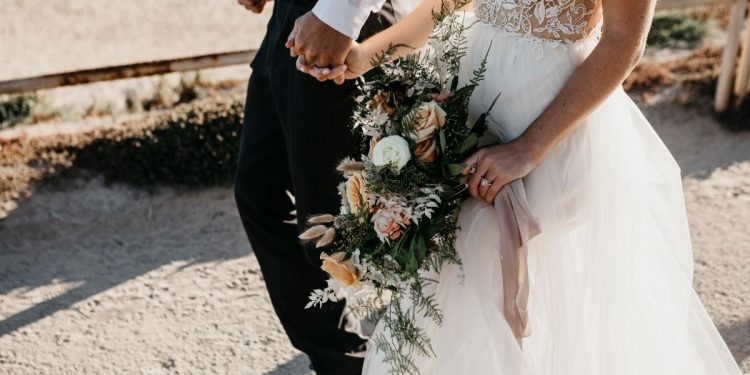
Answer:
[(517, 226)]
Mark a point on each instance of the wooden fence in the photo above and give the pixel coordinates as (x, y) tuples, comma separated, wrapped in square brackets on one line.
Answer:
[(731, 70), (734, 76), (127, 71)]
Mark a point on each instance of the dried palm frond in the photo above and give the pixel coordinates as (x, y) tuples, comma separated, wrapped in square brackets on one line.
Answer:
[(313, 233), (327, 238), (350, 166), (321, 219)]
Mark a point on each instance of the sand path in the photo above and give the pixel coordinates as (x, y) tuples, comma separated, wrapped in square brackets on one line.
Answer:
[(115, 280)]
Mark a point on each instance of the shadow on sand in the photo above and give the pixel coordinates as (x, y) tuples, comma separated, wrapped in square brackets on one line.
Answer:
[(298, 365), (98, 237)]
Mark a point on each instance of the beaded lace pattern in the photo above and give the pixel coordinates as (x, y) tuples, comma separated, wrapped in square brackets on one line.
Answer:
[(541, 21)]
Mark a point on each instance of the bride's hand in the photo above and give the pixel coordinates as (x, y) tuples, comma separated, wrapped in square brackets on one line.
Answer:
[(498, 165), (357, 63)]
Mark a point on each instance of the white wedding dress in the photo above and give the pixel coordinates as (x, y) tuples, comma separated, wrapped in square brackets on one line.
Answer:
[(611, 272)]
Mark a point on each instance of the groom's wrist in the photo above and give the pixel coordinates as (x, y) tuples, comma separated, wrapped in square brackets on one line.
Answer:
[(341, 16)]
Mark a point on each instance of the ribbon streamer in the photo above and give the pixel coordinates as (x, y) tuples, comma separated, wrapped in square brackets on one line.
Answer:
[(517, 226)]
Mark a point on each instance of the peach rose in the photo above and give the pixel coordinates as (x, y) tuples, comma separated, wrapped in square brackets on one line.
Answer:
[(429, 118), (356, 194), (426, 150), (339, 269), (388, 226), (443, 96)]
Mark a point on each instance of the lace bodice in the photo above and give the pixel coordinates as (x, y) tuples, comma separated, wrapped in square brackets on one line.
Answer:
[(556, 20)]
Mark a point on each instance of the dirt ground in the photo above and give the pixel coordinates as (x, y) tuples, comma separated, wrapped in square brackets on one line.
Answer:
[(98, 279)]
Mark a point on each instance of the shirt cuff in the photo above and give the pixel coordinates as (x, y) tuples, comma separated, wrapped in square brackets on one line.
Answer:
[(342, 16)]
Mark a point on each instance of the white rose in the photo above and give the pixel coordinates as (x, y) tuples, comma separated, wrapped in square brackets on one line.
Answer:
[(392, 150)]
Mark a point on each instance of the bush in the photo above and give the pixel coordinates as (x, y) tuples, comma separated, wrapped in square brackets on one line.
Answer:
[(194, 145), (15, 109), (676, 30)]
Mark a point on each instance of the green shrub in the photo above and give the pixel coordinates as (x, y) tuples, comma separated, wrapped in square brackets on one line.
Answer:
[(676, 30), (14, 109), (196, 144)]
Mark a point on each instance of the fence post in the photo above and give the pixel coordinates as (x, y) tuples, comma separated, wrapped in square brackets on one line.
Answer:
[(743, 69), (729, 58)]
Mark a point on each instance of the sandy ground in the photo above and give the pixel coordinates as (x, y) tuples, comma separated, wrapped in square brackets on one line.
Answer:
[(111, 280), (99, 279), (115, 280)]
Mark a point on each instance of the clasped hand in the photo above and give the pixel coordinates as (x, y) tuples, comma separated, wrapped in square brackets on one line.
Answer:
[(325, 53), (355, 64)]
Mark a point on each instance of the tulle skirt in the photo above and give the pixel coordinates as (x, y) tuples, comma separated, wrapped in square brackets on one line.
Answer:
[(611, 272)]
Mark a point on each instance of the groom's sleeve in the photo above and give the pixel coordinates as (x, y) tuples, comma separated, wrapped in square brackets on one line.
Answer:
[(346, 16)]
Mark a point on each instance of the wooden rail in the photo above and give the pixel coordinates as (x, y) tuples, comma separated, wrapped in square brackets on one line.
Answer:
[(127, 71), (734, 73)]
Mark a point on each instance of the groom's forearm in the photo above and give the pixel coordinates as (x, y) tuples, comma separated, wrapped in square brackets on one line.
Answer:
[(346, 16), (626, 25)]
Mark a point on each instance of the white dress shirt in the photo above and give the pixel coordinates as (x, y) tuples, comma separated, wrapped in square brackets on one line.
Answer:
[(348, 16)]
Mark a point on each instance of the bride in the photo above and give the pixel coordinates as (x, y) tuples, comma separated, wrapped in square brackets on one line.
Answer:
[(610, 275)]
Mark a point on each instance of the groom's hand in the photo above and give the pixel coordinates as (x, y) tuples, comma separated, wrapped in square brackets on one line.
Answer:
[(320, 44)]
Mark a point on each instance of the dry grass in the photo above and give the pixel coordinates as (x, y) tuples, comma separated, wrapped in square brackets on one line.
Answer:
[(700, 68)]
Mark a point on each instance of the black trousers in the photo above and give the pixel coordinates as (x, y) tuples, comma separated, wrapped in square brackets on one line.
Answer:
[(295, 131)]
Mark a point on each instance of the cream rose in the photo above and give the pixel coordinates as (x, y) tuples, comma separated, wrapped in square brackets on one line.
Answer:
[(339, 269), (392, 150)]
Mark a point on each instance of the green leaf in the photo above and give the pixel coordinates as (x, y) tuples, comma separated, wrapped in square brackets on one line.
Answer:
[(395, 250), (470, 142), (456, 169), (480, 123), (413, 242), (441, 138), (421, 247)]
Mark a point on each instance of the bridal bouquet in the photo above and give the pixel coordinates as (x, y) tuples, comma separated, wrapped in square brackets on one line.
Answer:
[(400, 199)]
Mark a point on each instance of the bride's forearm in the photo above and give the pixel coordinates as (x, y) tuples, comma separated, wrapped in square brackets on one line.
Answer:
[(412, 32), (626, 25)]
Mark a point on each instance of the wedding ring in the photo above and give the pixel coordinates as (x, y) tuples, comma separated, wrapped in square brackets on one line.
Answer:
[(485, 182)]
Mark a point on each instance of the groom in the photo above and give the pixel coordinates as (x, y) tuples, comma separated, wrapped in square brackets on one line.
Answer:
[(295, 131)]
